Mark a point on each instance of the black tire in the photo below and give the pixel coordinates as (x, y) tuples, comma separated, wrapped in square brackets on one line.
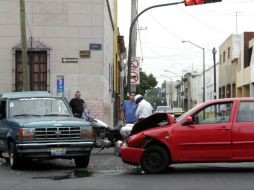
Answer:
[(13, 156), (155, 160), (82, 161)]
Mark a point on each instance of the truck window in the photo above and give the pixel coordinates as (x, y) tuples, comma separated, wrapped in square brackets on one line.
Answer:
[(216, 113), (3, 109), (246, 112)]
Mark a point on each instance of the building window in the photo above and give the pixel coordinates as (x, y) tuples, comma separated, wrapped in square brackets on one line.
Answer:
[(228, 52), (37, 61), (224, 56), (220, 59)]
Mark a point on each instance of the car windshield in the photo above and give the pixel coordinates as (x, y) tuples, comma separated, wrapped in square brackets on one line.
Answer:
[(38, 107)]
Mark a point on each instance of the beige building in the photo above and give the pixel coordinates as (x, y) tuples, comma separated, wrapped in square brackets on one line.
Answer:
[(229, 57), (70, 47), (245, 67)]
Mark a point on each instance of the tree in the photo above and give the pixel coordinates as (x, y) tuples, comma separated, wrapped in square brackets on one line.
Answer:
[(147, 82)]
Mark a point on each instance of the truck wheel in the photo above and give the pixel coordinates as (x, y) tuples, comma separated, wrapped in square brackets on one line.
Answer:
[(82, 161), (13, 156), (155, 159)]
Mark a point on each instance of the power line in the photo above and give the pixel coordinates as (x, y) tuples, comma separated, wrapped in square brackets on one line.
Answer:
[(202, 22)]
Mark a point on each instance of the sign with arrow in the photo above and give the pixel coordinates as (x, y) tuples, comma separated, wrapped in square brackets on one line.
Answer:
[(69, 60)]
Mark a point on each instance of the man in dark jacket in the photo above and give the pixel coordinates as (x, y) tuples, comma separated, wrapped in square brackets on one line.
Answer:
[(77, 105)]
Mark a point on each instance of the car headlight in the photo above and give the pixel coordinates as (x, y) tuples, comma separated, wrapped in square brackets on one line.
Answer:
[(86, 132), (26, 133)]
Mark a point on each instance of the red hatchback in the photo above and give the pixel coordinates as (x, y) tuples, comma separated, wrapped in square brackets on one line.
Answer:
[(220, 130)]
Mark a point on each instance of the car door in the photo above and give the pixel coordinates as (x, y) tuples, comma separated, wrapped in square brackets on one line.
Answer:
[(243, 130), (208, 137), (2, 124)]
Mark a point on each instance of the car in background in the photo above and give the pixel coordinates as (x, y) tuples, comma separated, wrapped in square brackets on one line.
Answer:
[(177, 112), (39, 125), (163, 109)]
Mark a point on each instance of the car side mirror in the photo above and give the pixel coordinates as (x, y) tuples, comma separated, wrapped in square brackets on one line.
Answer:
[(188, 121)]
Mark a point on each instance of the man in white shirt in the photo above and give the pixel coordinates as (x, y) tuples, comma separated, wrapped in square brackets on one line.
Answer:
[(144, 109)]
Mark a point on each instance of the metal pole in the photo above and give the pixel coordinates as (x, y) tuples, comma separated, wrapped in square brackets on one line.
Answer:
[(203, 74), (26, 85), (130, 37), (214, 72), (172, 93)]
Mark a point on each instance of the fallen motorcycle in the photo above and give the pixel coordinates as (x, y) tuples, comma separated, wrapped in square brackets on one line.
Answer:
[(105, 136)]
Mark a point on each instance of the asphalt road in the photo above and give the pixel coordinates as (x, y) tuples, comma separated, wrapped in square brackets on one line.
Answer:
[(108, 172)]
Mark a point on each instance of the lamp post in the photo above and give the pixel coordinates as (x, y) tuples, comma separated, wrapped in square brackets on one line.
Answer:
[(171, 101), (203, 49), (130, 38), (214, 73)]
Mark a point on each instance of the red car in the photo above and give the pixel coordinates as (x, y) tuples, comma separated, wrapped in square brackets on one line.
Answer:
[(220, 130)]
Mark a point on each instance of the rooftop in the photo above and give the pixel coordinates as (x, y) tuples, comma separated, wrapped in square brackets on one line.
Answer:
[(25, 94)]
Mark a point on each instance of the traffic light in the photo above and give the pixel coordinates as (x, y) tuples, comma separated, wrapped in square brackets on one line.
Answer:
[(198, 2)]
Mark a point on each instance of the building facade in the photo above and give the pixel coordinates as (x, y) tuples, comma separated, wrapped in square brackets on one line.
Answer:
[(229, 57), (245, 67), (71, 46)]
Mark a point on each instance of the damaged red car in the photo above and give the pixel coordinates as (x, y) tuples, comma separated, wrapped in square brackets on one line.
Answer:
[(216, 131)]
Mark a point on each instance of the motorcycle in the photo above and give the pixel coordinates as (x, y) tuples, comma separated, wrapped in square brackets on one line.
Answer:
[(105, 136)]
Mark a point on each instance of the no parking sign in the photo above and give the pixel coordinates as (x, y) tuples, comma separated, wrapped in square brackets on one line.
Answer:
[(135, 70)]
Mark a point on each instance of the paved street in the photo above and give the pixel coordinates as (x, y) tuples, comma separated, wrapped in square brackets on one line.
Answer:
[(108, 172)]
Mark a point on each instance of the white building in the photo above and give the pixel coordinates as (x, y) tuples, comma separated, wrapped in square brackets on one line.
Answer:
[(72, 41), (209, 83)]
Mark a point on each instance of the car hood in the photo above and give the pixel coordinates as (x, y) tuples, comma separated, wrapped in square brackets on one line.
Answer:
[(49, 121), (153, 121)]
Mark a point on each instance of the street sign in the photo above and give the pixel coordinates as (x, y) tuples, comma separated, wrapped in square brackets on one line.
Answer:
[(135, 70), (135, 62), (60, 85), (135, 78), (69, 60), (95, 47)]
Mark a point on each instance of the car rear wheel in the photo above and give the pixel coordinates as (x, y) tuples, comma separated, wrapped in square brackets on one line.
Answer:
[(13, 156), (155, 160), (82, 161)]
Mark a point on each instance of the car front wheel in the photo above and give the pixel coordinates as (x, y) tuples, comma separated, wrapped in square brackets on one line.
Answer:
[(155, 160), (13, 156), (82, 161)]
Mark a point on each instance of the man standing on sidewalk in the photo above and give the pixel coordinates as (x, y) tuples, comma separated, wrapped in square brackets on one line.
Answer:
[(77, 105), (129, 109)]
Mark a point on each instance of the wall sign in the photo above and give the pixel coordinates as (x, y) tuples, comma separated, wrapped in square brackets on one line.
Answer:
[(95, 47), (69, 60)]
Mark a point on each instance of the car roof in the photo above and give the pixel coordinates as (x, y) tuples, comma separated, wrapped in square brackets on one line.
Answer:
[(27, 94)]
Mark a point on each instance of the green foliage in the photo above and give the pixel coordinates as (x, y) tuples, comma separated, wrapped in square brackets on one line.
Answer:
[(147, 82)]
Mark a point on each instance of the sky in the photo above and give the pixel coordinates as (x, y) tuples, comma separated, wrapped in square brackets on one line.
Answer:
[(162, 30)]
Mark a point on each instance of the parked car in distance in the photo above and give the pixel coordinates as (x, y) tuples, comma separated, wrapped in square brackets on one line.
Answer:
[(216, 131), (39, 125), (163, 109), (177, 112)]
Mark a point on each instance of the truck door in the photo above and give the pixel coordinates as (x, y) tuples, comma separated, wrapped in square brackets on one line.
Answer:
[(243, 130), (209, 136)]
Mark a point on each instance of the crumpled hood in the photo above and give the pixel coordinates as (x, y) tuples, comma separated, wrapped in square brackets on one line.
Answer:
[(153, 121), (49, 121)]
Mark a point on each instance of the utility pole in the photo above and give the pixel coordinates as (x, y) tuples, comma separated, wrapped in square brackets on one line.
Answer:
[(236, 21), (130, 36), (134, 11), (26, 85), (214, 71)]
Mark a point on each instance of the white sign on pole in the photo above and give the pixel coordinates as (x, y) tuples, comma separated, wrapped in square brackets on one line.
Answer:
[(135, 70)]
